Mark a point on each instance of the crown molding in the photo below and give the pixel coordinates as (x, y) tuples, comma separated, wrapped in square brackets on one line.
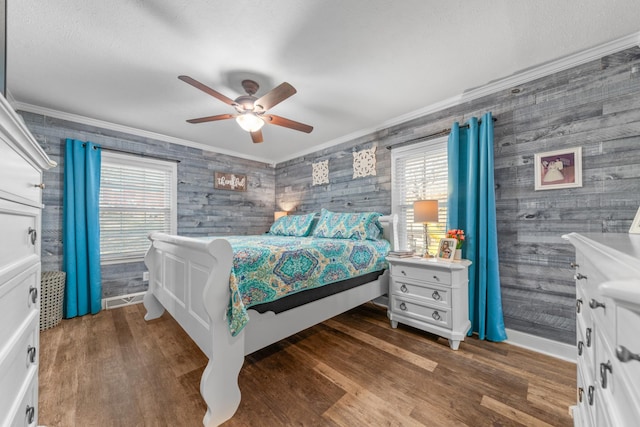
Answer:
[(525, 76), (76, 118)]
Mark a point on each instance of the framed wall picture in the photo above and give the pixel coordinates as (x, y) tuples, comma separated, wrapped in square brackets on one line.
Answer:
[(447, 249), (558, 169), (635, 225)]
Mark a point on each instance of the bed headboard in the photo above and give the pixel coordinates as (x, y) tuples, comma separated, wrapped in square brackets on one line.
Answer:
[(390, 225)]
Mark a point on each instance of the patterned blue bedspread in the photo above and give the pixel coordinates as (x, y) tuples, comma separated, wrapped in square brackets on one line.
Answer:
[(266, 267)]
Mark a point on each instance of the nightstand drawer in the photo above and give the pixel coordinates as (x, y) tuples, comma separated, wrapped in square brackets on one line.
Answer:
[(435, 316), (432, 294), (442, 277)]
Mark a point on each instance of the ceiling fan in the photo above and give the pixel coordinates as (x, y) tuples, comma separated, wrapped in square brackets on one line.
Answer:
[(251, 111)]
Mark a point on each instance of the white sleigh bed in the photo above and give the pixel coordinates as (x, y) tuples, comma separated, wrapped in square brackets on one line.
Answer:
[(190, 279)]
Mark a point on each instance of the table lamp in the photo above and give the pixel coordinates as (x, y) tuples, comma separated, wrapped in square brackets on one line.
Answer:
[(425, 211), (279, 214)]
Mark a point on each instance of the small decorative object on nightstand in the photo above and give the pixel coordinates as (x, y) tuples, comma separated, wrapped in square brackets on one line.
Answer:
[(430, 294)]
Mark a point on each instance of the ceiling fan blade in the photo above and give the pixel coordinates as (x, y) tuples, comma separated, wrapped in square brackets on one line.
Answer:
[(212, 118), (287, 123), (256, 136), (275, 96), (207, 89)]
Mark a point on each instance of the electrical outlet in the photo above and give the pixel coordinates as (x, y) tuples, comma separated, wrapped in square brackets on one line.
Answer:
[(145, 276)]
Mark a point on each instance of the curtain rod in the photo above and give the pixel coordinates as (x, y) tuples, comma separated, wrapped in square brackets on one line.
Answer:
[(115, 150), (432, 135)]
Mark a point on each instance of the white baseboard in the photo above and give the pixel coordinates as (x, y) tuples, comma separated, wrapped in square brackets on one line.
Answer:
[(122, 300), (542, 345)]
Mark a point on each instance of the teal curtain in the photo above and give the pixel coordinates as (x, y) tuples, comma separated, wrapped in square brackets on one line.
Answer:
[(472, 208), (81, 228)]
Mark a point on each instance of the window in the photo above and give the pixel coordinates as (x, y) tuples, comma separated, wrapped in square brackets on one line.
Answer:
[(419, 172), (137, 196)]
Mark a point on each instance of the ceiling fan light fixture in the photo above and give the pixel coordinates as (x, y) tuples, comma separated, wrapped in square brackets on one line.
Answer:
[(250, 122)]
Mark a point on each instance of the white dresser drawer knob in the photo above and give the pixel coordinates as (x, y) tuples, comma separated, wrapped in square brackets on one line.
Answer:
[(578, 305), (436, 316), (435, 295), (595, 304), (574, 265), (33, 293), (31, 354), (604, 367), (40, 186), (404, 289), (580, 393), (624, 355), (590, 394), (580, 348), (403, 306), (30, 414), (588, 334), (34, 235), (436, 278), (404, 273), (579, 276)]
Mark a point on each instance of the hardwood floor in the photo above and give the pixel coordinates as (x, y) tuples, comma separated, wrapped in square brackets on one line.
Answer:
[(115, 369)]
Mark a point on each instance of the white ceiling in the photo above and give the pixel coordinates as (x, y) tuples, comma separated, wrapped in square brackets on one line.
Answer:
[(356, 64)]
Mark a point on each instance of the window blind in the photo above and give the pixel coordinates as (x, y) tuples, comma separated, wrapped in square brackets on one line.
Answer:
[(419, 172), (137, 196)]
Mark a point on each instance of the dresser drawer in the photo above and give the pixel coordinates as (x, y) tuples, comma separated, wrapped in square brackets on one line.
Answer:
[(18, 242), (431, 294), (19, 178), (25, 411), (435, 316), (405, 271), (17, 302), (16, 362), (628, 373)]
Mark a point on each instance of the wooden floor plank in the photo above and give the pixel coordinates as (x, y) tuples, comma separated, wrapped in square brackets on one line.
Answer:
[(115, 369)]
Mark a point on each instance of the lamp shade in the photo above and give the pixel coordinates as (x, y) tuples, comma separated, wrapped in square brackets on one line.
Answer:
[(279, 214), (425, 211)]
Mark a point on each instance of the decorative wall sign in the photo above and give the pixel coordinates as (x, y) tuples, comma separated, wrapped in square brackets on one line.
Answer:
[(229, 181), (558, 169), (364, 162), (320, 174)]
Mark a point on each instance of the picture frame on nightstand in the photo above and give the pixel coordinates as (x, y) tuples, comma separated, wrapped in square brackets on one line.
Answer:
[(635, 225), (447, 249)]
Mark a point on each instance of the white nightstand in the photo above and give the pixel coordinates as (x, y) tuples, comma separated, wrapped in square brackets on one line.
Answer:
[(431, 295)]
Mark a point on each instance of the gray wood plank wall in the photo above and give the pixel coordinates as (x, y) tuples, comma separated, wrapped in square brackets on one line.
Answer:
[(202, 210), (595, 106)]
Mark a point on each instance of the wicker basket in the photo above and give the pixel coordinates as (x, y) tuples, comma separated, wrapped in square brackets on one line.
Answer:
[(51, 299)]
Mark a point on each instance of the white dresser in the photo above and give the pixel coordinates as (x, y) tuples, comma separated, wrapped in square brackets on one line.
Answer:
[(22, 162), (431, 295), (608, 329)]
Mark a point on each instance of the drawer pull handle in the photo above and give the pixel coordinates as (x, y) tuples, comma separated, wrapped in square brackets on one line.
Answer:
[(604, 367), (624, 355), (34, 235), (588, 337), (574, 265), (436, 278), (404, 273), (579, 276), (436, 296), (33, 293), (578, 305), (403, 306), (31, 414), (404, 289), (580, 393), (40, 186), (31, 354), (595, 304), (590, 394), (580, 348), (436, 316)]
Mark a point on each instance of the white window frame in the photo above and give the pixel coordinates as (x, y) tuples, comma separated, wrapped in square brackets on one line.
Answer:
[(411, 234), (170, 167)]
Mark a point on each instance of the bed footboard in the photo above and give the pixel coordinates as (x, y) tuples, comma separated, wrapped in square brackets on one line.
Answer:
[(190, 279)]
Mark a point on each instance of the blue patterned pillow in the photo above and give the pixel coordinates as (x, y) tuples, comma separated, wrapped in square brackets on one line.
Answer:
[(293, 225), (354, 226)]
